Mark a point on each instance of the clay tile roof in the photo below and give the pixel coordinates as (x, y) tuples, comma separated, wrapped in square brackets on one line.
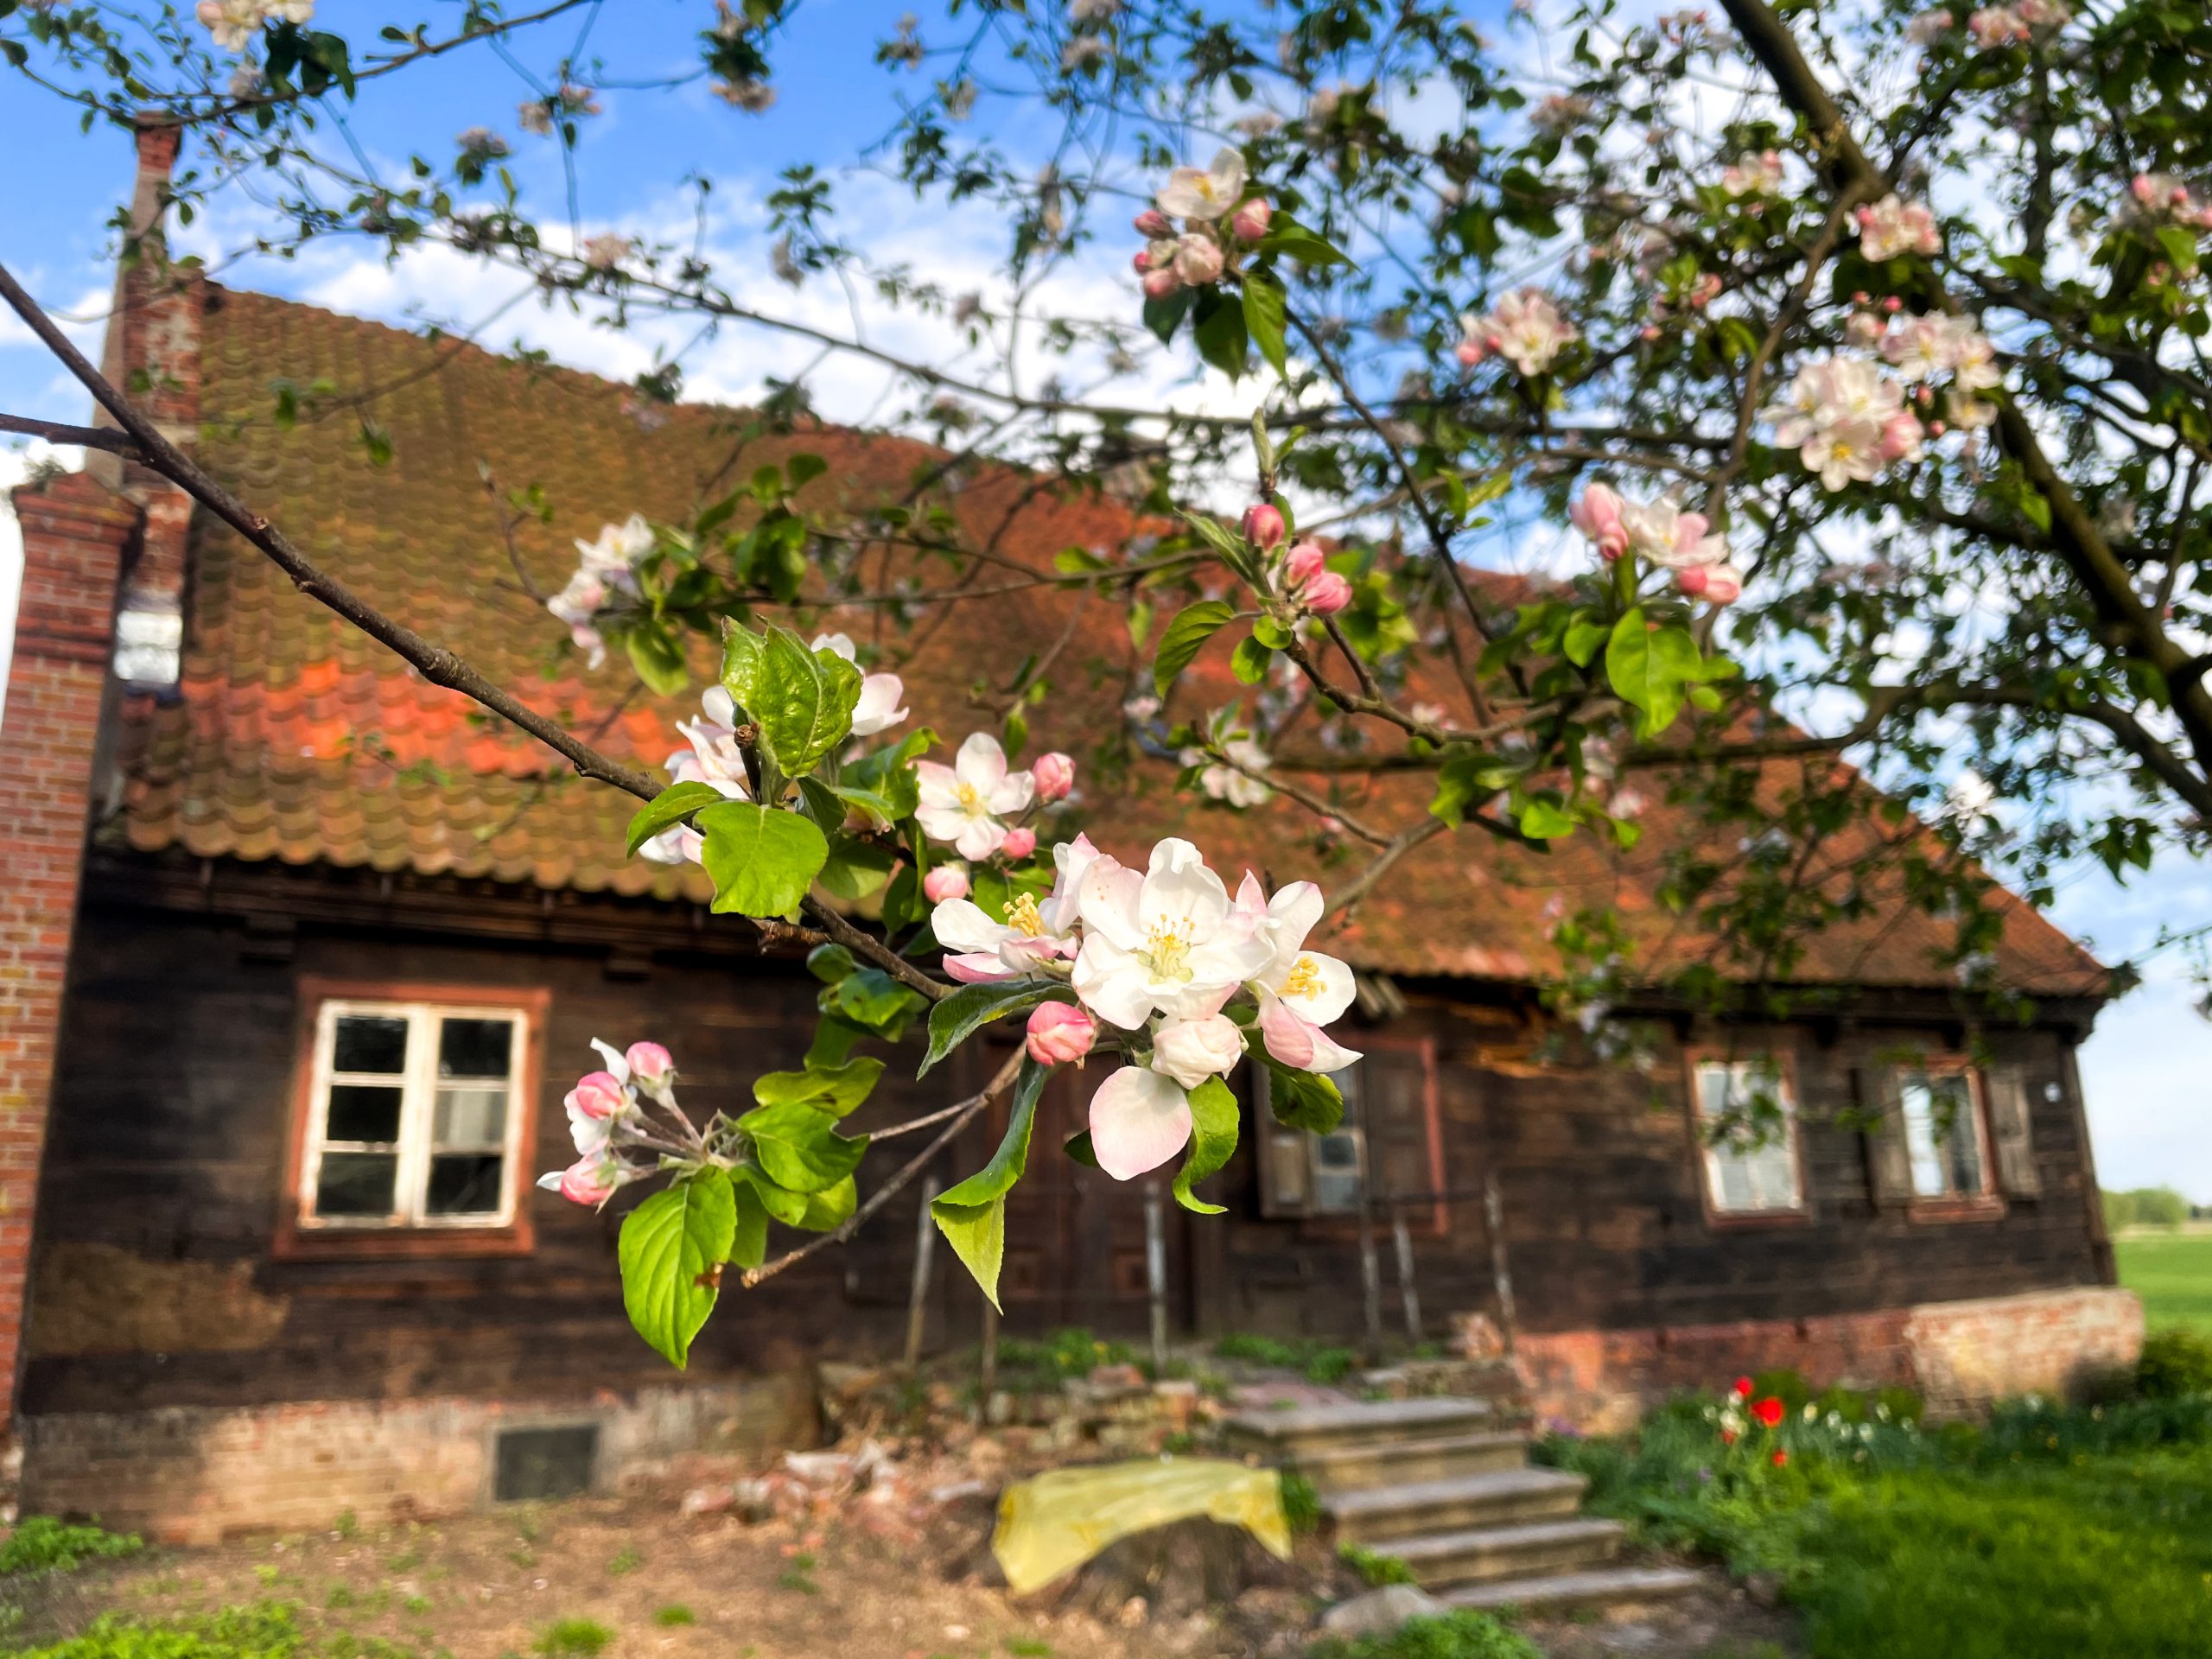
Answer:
[(297, 738)]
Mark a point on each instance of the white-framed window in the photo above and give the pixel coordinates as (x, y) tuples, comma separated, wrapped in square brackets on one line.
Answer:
[(1944, 1138), (414, 1115), (1747, 1127)]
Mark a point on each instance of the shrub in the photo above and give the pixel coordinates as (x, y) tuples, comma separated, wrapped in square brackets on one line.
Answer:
[(2175, 1363), (580, 1637), (1317, 1361), (1375, 1568), (1301, 1504), (266, 1631), (42, 1544), (1459, 1635)]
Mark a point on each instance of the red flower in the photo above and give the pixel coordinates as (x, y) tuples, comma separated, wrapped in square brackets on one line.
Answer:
[(1768, 1411), (1728, 1437), (1781, 1457), (1742, 1388)]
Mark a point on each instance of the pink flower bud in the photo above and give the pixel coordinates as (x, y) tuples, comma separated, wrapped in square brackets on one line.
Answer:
[(946, 881), (1303, 564), (588, 1180), (1250, 222), (1060, 1033), (1020, 843), (2143, 187), (650, 1064), (1892, 304), (1326, 595), (1263, 525), (599, 1095), (1471, 352), (1055, 776), (1143, 261), (1159, 284), (1154, 223)]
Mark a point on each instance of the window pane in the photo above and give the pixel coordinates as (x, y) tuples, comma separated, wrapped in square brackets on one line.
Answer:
[(464, 1184), (361, 1111), (470, 1117), (370, 1042), (473, 1048), (356, 1184), (1754, 1167), (1939, 1130)]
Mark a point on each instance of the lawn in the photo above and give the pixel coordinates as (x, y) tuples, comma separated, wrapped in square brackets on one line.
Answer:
[(2173, 1275)]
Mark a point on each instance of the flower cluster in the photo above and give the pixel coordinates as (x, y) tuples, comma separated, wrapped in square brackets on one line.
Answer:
[(1202, 198), (1754, 176), (1893, 226), (1231, 779), (2018, 24), (2161, 199), (1660, 532), (1300, 574), (233, 23), (605, 566), (1847, 418), (1525, 329), (712, 758), (604, 1114), (1159, 955), (539, 115), (970, 802), (881, 701)]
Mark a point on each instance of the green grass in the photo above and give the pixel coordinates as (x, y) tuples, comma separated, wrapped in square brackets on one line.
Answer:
[(2172, 1275), (266, 1631), (1457, 1634), (42, 1544), (573, 1638)]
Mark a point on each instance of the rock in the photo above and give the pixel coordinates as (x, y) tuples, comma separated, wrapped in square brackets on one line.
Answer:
[(1764, 1589), (710, 1500), (1116, 1379), (1132, 1613), (1381, 1611)]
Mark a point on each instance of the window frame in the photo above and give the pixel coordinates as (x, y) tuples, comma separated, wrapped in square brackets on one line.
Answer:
[(1432, 1220), (1989, 1200), (1717, 1216), (299, 1234)]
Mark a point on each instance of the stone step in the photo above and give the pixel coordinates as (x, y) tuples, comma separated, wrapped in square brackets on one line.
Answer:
[(1528, 1550), (1565, 1593), (1496, 1497), (1305, 1429), (1382, 1463)]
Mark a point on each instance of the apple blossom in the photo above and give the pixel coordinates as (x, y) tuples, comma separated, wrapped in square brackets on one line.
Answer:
[(1191, 1051), (713, 759), (607, 252), (1139, 1120), (878, 710), (964, 803), (1204, 195), (652, 1067), (1159, 284), (1060, 1033), (1597, 514), (1311, 585), (1930, 27), (1020, 843), (233, 23), (945, 881), (1250, 222), (1152, 224), (590, 1179), (1753, 176), (1902, 437), (1234, 785), (1716, 584), (599, 1095), (1055, 776), (1165, 941), (1893, 226), (1993, 26), (1263, 525), (1198, 259), (1667, 536), (1300, 991), (1524, 328)]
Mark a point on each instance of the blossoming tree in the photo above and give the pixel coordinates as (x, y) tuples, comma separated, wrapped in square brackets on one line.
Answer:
[(1848, 357)]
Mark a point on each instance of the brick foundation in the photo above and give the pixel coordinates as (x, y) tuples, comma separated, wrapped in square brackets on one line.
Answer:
[(1960, 1356), (196, 1475)]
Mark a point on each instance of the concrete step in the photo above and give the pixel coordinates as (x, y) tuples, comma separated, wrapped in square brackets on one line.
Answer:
[(1609, 1588), (1530, 1549), (1497, 1497), (1302, 1429), (1358, 1464)]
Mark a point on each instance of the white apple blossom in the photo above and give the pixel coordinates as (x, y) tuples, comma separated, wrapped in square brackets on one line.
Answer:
[(968, 802), (1191, 1051), (1930, 27), (1203, 194), (1233, 784), (1838, 414), (1300, 991), (713, 759), (1525, 329), (233, 23), (1163, 941), (1893, 225), (1664, 534), (1139, 1120), (1753, 176), (879, 708)]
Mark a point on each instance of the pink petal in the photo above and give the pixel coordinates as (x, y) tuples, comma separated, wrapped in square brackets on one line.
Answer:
[(1139, 1120)]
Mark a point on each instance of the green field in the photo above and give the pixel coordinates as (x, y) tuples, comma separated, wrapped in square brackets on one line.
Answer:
[(2173, 1275)]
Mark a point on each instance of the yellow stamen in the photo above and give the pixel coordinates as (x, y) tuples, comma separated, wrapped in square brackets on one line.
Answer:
[(1021, 916), (1305, 978), (1167, 948), (970, 799)]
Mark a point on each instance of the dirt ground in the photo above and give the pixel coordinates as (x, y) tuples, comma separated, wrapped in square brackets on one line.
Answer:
[(657, 1582)]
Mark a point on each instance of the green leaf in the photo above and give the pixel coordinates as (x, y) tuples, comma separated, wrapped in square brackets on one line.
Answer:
[(799, 1148), (802, 701), (832, 1207), (748, 1245), (1193, 626), (1545, 820), (1213, 1141), (972, 1215), (1249, 661), (672, 805), (762, 861), (1303, 1100), (1584, 635), (1641, 672), (1164, 316), (1287, 238), (973, 1007), (855, 869), (787, 1207), (872, 999), (836, 1089), (670, 1247), (1265, 305), (1218, 327), (1078, 1147), (657, 659), (744, 655)]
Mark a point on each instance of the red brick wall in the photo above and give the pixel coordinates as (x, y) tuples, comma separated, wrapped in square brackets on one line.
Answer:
[(74, 535)]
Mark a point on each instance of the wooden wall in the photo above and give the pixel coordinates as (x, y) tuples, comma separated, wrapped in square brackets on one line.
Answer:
[(156, 1285)]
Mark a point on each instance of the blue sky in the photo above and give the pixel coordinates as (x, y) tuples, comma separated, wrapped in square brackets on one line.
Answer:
[(2145, 1068)]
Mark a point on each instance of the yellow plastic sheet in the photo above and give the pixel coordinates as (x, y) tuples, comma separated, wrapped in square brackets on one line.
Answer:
[(1055, 1523)]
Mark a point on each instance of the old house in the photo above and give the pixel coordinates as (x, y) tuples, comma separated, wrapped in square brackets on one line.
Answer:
[(306, 951)]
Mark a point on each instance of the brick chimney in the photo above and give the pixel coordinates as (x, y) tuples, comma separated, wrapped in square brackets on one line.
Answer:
[(152, 355), (76, 533)]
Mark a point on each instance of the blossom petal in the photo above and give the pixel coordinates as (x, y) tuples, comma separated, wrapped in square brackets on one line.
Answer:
[(980, 968), (977, 838), (1112, 983), (1334, 993), (961, 924), (981, 763), (1108, 902), (1139, 1120), (1291, 914)]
